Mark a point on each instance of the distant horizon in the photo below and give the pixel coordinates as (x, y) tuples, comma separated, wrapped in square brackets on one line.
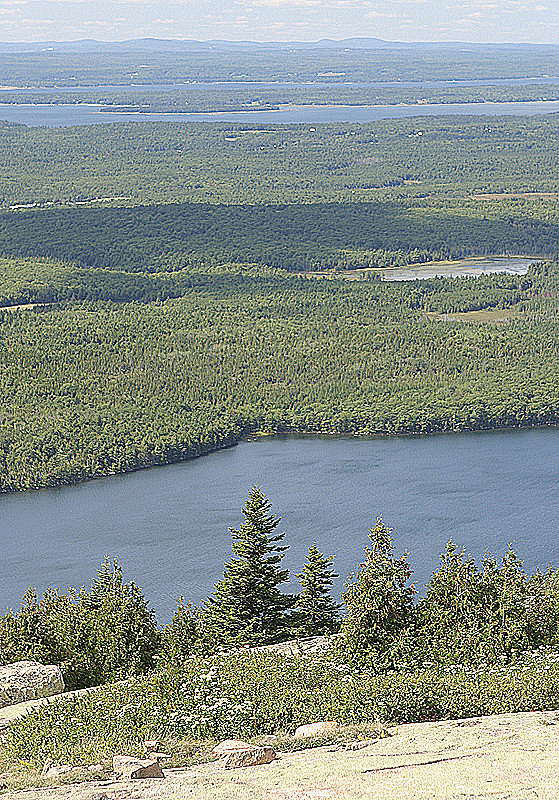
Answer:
[(347, 41), (474, 22)]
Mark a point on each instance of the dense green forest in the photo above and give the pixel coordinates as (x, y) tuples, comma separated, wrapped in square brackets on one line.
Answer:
[(93, 388), (174, 320), (171, 63), (164, 162), (294, 237)]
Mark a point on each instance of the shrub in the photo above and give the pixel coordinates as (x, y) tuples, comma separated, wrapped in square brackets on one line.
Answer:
[(183, 636), (252, 694), (102, 635), (379, 604), (470, 615)]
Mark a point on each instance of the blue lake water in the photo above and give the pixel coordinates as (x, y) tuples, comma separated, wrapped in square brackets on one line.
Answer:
[(169, 525), (60, 115)]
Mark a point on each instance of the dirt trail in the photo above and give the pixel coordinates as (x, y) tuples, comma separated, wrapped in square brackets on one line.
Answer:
[(512, 756)]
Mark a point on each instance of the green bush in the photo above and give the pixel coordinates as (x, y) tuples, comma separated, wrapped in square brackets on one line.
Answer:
[(97, 636), (471, 615), (379, 604), (183, 637)]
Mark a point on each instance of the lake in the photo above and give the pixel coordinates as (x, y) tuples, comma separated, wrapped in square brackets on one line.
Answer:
[(60, 115), (168, 526), (466, 267)]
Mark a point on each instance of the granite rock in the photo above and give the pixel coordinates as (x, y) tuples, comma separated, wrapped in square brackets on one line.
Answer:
[(28, 680)]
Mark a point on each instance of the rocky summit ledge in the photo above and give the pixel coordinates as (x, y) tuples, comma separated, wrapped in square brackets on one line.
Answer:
[(506, 756)]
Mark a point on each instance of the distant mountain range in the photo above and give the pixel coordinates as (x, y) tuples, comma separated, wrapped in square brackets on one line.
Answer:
[(191, 45)]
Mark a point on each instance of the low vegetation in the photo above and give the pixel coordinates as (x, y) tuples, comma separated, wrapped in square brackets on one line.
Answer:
[(254, 694)]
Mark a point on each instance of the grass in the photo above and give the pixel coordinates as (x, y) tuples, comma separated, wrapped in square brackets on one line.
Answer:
[(263, 697), (491, 315)]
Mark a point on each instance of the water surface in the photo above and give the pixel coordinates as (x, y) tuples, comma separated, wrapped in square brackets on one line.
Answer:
[(169, 525), (60, 115), (459, 269)]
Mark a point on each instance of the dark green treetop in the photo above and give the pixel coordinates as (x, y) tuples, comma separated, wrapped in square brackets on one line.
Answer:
[(247, 607), (314, 612)]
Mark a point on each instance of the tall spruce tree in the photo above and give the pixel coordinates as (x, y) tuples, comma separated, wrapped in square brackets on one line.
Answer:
[(247, 607), (315, 613)]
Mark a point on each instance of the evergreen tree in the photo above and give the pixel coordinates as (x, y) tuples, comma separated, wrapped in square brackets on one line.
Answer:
[(379, 603), (247, 607), (122, 631), (314, 611)]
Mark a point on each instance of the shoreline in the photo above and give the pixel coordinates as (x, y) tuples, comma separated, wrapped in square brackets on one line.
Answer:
[(291, 433)]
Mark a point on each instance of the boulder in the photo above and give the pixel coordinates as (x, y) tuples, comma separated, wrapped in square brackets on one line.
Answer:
[(232, 746), (133, 768), (28, 680), (247, 758), (52, 770), (315, 729)]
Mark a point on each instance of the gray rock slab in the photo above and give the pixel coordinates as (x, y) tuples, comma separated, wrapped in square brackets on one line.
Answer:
[(500, 757), (29, 680)]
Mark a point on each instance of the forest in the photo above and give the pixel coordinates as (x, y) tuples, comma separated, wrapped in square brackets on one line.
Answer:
[(425, 160), (170, 314), (296, 237), (98, 386)]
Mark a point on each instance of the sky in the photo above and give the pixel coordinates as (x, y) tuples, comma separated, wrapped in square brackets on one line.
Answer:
[(281, 20)]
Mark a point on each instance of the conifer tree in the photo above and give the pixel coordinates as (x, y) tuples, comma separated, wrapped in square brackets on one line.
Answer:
[(247, 606), (379, 602), (315, 613)]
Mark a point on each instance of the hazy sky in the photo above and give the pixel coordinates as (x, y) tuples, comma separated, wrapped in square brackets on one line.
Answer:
[(266, 20)]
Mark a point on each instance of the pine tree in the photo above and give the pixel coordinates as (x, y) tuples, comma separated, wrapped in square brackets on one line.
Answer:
[(314, 612), (246, 606), (379, 603)]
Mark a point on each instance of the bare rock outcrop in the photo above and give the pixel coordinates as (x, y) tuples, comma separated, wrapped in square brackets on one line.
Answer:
[(28, 680), (132, 768), (234, 753)]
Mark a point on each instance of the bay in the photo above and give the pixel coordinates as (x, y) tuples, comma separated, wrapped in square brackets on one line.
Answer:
[(168, 526), (61, 115)]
